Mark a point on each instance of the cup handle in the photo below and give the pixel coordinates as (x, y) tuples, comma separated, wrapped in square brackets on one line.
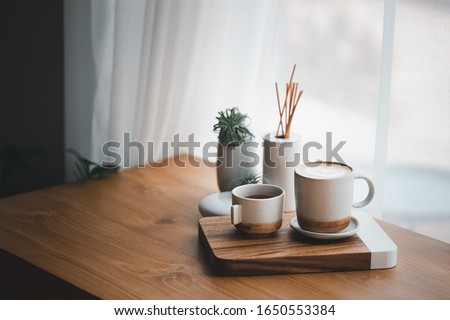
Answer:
[(370, 195), (236, 214)]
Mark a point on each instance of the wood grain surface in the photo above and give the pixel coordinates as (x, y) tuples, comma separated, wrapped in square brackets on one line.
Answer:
[(233, 253), (134, 235)]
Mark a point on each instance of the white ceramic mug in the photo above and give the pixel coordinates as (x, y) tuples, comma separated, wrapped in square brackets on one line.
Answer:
[(324, 195), (257, 208)]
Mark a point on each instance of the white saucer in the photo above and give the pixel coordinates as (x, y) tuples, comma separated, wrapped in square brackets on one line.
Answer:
[(216, 204), (351, 230)]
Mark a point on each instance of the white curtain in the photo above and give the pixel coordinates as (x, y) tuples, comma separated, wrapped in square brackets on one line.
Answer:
[(158, 68), (164, 67)]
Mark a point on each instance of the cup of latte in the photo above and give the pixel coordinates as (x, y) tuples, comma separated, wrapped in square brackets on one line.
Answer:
[(324, 195)]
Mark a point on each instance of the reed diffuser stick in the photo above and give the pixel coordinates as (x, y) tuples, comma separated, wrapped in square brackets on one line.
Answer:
[(279, 111), (291, 100)]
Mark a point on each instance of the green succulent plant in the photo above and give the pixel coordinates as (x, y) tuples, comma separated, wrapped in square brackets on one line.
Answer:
[(232, 128), (87, 169), (248, 178)]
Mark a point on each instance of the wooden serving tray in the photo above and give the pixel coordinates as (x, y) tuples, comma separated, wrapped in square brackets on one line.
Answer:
[(287, 251)]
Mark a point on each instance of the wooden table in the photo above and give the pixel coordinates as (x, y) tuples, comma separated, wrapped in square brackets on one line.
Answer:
[(134, 236)]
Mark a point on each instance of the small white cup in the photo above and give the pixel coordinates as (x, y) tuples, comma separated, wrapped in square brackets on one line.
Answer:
[(324, 195), (257, 208)]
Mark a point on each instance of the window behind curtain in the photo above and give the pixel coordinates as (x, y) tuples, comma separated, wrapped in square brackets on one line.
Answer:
[(417, 190), (337, 48)]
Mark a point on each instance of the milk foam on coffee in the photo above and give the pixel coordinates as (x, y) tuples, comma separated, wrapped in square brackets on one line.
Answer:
[(323, 171)]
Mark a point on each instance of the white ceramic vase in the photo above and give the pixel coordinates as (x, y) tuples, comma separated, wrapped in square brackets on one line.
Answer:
[(230, 168), (281, 157)]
